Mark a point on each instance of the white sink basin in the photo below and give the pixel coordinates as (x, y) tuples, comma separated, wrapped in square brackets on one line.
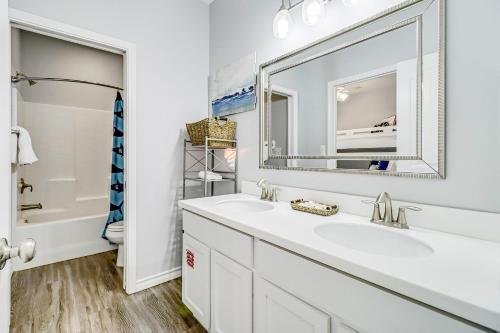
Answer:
[(374, 240), (245, 206)]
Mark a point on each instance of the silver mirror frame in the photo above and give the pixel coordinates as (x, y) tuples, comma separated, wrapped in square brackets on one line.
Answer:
[(263, 81)]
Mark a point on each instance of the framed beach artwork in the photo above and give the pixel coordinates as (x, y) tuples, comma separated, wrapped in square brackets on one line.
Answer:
[(233, 87)]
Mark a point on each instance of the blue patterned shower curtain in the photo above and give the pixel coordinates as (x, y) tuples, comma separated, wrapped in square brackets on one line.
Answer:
[(117, 168)]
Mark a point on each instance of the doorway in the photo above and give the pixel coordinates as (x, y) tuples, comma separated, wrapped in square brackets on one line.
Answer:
[(283, 119), (34, 24)]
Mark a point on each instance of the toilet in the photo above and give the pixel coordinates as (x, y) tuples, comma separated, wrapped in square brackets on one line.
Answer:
[(114, 234)]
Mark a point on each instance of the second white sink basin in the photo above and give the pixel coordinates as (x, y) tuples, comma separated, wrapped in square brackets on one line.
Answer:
[(245, 206), (374, 240)]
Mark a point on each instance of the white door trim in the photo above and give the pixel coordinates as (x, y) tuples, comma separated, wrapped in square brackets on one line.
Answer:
[(293, 120), (77, 35)]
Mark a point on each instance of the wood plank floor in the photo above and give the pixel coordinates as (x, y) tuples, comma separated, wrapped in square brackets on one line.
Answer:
[(86, 295)]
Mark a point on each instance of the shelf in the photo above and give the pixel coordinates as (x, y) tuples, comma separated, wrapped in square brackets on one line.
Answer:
[(208, 159), (211, 180), (221, 172), (198, 148)]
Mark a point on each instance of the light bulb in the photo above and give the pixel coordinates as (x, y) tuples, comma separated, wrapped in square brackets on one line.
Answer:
[(282, 23), (313, 11)]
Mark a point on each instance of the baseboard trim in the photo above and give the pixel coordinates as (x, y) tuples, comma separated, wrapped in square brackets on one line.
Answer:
[(157, 279), (64, 253)]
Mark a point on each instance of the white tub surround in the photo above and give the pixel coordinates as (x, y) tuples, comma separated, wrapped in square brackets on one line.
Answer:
[(461, 277)]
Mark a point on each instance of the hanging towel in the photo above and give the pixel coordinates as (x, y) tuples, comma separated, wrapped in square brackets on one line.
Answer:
[(25, 155), (117, 168)]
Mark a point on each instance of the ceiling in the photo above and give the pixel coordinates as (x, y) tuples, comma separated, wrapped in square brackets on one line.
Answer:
[(208, 2)]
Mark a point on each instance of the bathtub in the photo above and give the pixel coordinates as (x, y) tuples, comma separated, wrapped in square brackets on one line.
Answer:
[(60, 235)]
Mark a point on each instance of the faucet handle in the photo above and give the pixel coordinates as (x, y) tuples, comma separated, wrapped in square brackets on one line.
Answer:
[(401, 220), (376, 210), (273, 194)]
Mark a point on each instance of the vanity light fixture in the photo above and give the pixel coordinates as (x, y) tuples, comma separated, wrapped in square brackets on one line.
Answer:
[(313, 11), (282, 20)]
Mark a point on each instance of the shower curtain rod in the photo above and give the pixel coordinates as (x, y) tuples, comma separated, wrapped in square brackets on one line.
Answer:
[(32, 80)]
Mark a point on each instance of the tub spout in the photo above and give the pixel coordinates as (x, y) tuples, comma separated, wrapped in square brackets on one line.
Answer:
[(31, 206)]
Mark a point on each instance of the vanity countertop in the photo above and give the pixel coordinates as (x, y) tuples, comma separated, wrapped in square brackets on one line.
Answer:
[(461, 277)]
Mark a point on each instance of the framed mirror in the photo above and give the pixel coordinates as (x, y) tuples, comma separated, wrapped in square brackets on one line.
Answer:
[(368, 99)]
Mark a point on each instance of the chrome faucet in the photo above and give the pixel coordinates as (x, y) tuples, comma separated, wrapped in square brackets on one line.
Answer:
[(31, 206), (385, 199), (23, 185), (388, 220), (268, 192)]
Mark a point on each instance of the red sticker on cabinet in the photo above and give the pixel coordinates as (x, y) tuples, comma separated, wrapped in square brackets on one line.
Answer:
[(190, 258)]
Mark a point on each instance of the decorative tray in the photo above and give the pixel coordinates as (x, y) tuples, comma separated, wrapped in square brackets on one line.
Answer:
[(314, 207)]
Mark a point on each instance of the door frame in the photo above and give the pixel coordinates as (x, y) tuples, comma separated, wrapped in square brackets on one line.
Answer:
[(293, 120), (41, 25)]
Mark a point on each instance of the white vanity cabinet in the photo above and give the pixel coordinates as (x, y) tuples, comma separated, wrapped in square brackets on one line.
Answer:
[(216, 284), (235, 283)]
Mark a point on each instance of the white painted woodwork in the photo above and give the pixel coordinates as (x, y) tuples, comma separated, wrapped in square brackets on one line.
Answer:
[(278, 311), (231, 295), (196, 279), (232, 243)]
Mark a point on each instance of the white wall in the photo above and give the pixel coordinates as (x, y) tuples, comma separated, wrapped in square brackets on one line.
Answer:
[(473, 105), (50, 57), (172, 68)]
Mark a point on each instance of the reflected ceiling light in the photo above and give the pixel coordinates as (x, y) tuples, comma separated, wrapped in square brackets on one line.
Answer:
[(350, 2), (313, 11), (282, 21), (342, 94)]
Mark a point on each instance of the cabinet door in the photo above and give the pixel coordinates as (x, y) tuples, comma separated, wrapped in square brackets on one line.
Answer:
[(278, 311), (231, 297), (196, 279)]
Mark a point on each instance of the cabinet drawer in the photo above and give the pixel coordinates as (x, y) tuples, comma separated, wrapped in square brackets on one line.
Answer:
[(370, 309), (233, 244)]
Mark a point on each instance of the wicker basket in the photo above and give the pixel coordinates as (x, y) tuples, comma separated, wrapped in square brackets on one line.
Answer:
[(213, 129), (327, 211)]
